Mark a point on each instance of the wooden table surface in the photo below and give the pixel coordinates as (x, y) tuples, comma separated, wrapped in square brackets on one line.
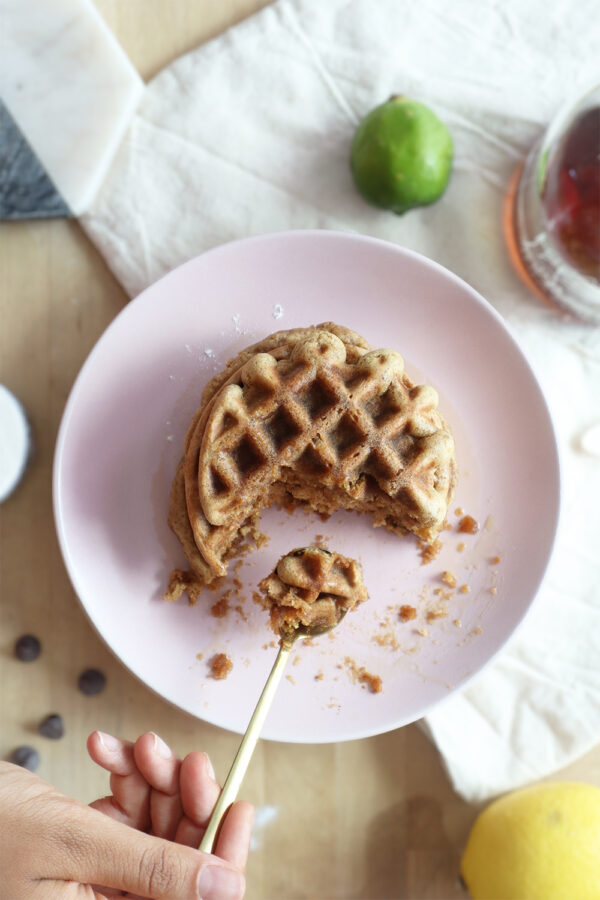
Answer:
[(368, 819)]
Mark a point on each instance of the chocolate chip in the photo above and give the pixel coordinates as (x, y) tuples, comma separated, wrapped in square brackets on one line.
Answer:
[(28, 648), (52, 727), (26, 757), (91, 682)]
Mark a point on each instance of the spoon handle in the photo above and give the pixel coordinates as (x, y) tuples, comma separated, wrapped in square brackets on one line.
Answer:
[(245, 751)]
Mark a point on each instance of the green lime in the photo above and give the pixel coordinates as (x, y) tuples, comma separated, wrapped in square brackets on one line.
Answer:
[(401, 155)]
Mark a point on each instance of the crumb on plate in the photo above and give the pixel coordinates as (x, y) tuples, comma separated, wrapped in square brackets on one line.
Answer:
[(359, 674), (434, 614), (407, 613), (220, 666), (428, 552), (449, 579), (468, 525)]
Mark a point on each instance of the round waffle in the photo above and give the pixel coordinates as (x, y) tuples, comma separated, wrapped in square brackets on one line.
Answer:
[(318, 417)]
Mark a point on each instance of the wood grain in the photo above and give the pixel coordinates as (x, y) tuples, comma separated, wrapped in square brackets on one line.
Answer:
[(360, 820)]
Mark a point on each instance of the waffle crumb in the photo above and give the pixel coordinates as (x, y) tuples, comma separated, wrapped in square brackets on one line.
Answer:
[(220, 666), (387, 638), (220, 609), (428, 552), (215, 586), (493, 590), (459, 511), (468, 525), (236, 574), (199, 656), (461, 546), (434, 614), (319, 676), (457, 622), (449, 579), (422, 631), (495, 560), (359, 675), (407, 613), (180, 582), (465, 589)]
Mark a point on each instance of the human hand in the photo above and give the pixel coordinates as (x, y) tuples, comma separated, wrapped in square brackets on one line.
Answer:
[(54, 847), (154, 791)]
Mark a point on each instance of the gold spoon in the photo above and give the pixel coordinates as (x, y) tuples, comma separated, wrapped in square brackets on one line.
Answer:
[(246, 749)]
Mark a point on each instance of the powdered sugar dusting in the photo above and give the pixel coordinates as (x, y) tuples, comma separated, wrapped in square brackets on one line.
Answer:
[(236, 323)]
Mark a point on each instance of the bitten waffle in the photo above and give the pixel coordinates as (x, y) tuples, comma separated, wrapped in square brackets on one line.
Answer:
[(319, 418)]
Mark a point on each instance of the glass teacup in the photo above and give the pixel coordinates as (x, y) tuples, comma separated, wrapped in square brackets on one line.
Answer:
[(553, 211)]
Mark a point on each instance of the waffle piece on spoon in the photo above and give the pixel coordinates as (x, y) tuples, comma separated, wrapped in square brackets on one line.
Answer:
[(311, 589)]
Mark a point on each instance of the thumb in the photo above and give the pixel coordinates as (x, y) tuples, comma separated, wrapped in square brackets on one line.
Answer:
[(112, 854)]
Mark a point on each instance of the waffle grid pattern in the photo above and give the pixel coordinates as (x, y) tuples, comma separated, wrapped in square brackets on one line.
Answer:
[(329, 419)]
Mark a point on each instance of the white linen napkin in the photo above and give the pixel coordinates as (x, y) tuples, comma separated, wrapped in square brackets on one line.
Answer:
[(251, 133)]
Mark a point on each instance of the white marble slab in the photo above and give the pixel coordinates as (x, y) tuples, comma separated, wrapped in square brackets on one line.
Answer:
[(70, 88)]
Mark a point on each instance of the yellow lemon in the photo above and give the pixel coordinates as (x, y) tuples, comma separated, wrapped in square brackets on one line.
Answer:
[(538, 843)]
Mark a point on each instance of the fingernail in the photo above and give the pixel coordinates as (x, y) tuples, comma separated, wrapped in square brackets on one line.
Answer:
[(218, 883), (161, 748), (109, 742), (210, 768)]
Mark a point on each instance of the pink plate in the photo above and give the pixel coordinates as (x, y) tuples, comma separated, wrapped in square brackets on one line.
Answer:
[(121, 438)]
